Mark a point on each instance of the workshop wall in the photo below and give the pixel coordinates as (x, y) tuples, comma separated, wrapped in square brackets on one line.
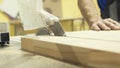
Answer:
[(62, 8), (70, 10)]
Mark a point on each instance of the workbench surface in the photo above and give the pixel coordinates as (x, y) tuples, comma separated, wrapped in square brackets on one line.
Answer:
[(13, 57)]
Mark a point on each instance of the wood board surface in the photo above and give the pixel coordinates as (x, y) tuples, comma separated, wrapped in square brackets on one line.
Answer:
[(97, 35), (98, 49)]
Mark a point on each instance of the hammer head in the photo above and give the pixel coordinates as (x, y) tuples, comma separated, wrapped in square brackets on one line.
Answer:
[(52, 23), (56, 29)]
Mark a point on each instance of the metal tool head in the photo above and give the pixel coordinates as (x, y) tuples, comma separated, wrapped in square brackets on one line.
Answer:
[(52, 23), (57, 29)]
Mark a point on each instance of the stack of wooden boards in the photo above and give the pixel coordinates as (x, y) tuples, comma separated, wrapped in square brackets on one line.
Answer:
[(99, 49)]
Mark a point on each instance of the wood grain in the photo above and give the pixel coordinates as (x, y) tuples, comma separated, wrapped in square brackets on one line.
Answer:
[(97, 35), (98, 49)]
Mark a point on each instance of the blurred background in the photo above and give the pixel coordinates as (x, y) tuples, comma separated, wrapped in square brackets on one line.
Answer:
[(67, 10)]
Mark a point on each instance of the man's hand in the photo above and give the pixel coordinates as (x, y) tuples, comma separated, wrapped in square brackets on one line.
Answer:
[(105, 24)]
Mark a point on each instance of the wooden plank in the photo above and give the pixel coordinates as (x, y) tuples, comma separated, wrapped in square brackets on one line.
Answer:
[(91, 51), (97, 35)]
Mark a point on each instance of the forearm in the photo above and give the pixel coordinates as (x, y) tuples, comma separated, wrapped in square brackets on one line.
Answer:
[(89, 11)]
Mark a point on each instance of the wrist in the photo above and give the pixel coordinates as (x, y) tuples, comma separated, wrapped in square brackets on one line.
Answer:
[(94, 20)]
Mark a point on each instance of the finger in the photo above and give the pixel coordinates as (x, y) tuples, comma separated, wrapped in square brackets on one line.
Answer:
[(114, 25), (117, 28), (113, 21), (103, 26), (109, 24), (95, 27)]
